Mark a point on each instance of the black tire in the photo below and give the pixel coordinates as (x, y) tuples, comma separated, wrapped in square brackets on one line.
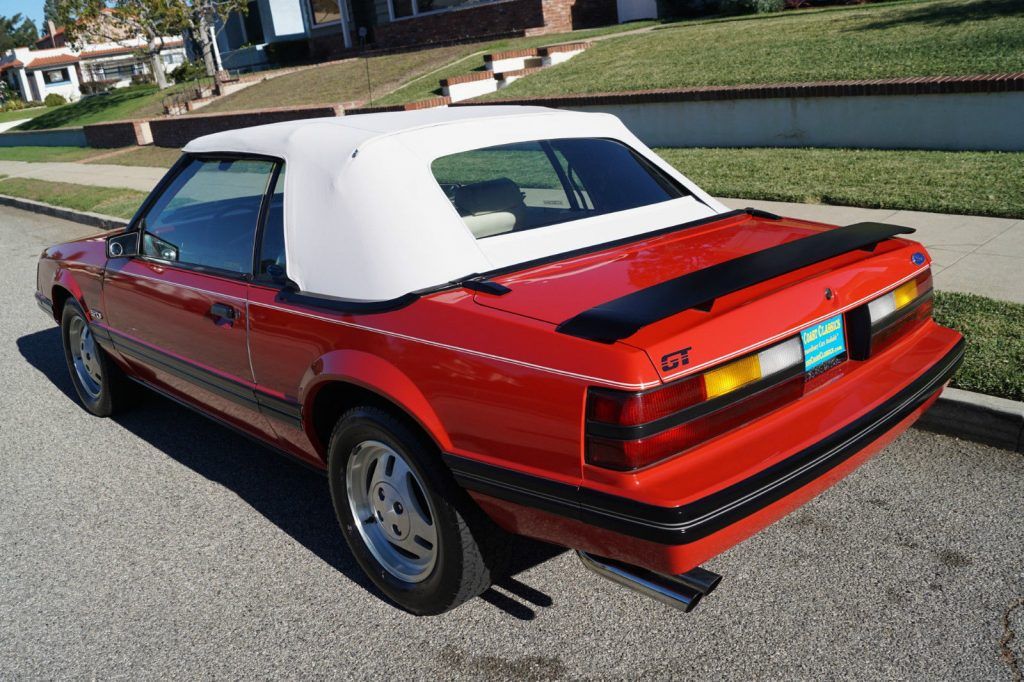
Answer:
[(112, 385), (465, 562)]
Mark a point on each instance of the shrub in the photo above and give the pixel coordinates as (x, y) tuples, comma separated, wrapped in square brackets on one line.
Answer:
[(188, 71), (54, 100), (94, 87), (288, 52), (141, 79)]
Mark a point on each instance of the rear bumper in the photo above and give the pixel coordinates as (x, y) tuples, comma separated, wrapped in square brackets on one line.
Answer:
[(644, 527)]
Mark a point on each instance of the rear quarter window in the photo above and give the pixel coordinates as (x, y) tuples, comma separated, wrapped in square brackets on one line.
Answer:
[(528, 185)]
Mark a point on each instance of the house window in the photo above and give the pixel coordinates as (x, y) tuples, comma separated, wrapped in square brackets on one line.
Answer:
[(324, 11), (409, 8), (56, 77)]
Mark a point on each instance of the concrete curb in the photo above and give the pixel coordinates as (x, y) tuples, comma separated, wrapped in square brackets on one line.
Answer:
[(977, 417), (99, 220), (964, 414)]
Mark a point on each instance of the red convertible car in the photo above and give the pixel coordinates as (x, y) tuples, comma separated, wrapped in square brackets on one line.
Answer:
[(484, 320)]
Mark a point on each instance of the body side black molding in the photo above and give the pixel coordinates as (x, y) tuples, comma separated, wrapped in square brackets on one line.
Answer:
[(624, 316), (693, 521), (235, 391)]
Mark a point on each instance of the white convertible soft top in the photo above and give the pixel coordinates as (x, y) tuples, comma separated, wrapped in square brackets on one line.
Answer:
[(365, 220)]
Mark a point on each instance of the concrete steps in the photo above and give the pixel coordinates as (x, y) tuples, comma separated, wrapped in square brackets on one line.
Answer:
[(505, 67)]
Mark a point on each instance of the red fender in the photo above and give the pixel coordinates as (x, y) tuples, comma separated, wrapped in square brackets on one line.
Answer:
[(62, 278), (376, 375)]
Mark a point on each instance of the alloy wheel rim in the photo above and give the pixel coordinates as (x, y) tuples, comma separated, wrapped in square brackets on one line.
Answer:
[(85, 357), (391, 511)]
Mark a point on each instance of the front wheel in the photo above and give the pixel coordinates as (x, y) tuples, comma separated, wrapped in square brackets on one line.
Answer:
[(412, 530), (98, 381)]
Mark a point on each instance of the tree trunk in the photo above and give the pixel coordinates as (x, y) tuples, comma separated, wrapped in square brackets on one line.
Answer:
[(157, 64), (207, 47)]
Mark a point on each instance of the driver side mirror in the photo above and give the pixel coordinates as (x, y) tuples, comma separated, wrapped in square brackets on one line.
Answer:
[(123, 245)]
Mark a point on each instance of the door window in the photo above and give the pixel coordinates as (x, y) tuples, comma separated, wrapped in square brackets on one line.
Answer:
[(207, 217), (271, 252)]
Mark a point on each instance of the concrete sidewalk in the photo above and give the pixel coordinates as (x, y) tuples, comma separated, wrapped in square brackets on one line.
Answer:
[(972, 254), (97, 174)]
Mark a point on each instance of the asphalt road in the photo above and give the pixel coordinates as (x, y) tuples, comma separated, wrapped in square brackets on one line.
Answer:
[(159, 544)]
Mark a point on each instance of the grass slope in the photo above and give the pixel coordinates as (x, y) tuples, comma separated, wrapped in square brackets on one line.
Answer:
[(971, 183), (339, 82), (994, 360), (427, 85), (943, 37), (107, 200), (138, 101)]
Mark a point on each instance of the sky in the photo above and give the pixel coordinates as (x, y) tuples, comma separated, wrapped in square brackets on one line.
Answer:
[(33, 9)]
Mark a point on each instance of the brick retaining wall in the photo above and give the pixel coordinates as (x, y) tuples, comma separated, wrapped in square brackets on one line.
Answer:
[(177, 131)]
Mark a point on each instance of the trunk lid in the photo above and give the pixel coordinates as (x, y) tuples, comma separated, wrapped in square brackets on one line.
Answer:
[(738, 322)]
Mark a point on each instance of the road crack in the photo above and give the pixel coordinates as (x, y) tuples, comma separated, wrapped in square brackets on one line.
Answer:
[(1008, 636)]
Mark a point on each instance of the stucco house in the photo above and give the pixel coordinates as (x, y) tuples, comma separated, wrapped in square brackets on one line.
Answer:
[(35, 73)]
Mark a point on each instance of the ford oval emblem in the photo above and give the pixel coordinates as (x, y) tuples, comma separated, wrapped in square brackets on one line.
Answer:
[(917, 258)]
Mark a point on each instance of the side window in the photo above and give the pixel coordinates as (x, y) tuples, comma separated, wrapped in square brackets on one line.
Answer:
[(272, 244), (208, 215)]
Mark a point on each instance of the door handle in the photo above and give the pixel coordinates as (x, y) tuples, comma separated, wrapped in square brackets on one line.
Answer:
[(222, 311)]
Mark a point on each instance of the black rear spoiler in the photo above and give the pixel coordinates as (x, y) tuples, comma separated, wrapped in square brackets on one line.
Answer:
[(624, 316)]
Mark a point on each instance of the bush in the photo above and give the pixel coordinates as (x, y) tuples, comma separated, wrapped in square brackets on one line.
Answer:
[(288, 52), (701, 8), (188, 71), (142, 79), (54, 100), (94, 87)]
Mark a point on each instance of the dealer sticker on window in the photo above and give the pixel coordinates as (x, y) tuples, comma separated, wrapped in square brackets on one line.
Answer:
[(822, 342)]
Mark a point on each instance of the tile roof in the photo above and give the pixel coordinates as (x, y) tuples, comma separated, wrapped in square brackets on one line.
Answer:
[(56, 60), (109, 52)]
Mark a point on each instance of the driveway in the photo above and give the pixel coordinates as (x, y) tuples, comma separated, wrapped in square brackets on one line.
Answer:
[(161, 545)]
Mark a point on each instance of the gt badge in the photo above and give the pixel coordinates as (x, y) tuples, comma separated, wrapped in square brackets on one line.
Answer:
[(676, 358)]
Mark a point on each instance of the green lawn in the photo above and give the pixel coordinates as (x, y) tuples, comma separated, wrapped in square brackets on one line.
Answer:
[(427, 85), (406, 76), (994, 361), (973, 183), (18, 114), (138, 101), (42, 154), (107, 200), (335, 83), (155, 157), (937, 37)]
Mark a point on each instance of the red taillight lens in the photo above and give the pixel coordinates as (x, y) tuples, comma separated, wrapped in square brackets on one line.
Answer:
[(889, 334), (631, 409), (627, 455), (626, 431)]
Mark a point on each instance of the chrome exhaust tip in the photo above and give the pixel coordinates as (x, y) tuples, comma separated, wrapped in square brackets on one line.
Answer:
[(683, 592)]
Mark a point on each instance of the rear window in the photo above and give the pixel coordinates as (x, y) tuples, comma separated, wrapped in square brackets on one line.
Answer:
[(523, 186)]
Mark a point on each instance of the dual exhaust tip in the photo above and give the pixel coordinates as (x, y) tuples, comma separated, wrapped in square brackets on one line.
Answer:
[(682, 591)]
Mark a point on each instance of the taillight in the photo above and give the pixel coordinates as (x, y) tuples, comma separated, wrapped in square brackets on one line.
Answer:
[(627, 431), (876, 325)]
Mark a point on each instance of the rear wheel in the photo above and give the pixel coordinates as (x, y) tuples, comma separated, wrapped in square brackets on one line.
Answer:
[(414, 532), (99, 383)]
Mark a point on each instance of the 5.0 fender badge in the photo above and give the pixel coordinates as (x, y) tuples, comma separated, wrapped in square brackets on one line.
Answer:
[(670, 361), (95, 314)]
